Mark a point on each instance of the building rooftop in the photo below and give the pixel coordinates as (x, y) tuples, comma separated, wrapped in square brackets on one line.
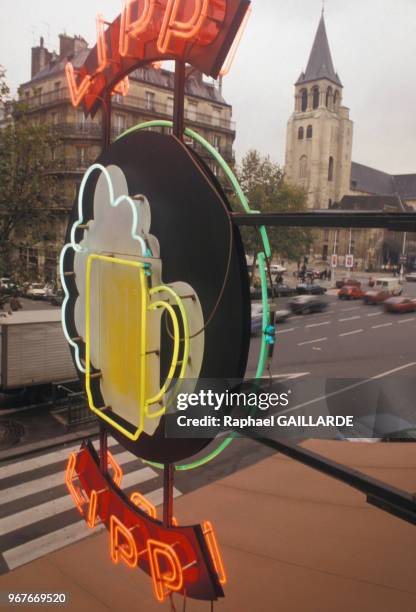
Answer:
[(373, 203), (320, 65), (377, 182)]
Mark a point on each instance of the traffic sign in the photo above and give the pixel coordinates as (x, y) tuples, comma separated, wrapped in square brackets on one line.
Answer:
[(334, 260)]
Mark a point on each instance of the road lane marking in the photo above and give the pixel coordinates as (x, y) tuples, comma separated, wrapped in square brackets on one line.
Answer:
[(375, 314), (312, 341), (318, 324), (351, 309), (407, 320), (383, 325), (411, 364), (287, 376), (351, 333), (286, 331), (349, 319)]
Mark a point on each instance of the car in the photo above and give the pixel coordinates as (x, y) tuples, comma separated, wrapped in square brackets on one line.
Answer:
[(280, 316), (277, 269), (399, 304), (347, 282), (305, 304), (57, 298), (411, 277), (36, 291), (283, 290), (350, 293), (376, 297), (310, 289)]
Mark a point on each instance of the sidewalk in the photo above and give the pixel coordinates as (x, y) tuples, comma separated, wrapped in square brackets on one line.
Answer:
[(293, 540)]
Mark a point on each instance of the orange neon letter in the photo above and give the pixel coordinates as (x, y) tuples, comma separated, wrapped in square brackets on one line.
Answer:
[(125, 550), (101, 44), (172, 27), (76, 93), (122, 87), (212, 543), (118, 472), (162, 557), (144, 504), (234, 47), (129, 28), (75, 491)]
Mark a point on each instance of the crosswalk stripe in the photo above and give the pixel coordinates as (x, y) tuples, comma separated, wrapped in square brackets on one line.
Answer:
[(62, 504), (40, 461), (47, 482), (24, 553)]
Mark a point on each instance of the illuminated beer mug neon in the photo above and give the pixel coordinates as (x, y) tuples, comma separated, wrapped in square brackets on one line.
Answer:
[(136, 330)]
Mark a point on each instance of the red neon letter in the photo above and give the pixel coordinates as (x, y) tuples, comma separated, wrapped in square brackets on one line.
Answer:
[(122, 551), (171, 27), (162, 557), (211, 541), (76, 93), (144, 504), (75, 491), (129, 28), (101, 45)]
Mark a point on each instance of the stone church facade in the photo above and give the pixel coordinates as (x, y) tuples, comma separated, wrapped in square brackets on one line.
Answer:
[(319, 159)]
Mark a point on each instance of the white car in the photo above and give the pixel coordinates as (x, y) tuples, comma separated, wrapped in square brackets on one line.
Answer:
[(36, 291), (411, 277)]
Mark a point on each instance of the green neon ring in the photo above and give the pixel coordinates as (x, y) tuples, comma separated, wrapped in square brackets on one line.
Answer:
[(261, 260)]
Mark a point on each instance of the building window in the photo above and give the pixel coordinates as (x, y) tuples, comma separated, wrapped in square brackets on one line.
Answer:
[(300, 133), (169, 107), (315, 97), (303, 167), (54, 118), (329, 203), (80, 117), (81, 157), (328, 101), (150, 100), (57, 85), (331, 169), (216, 116), (217, 142), (309, 131), (325, 252), (336, 99), (326, 235), (192, 111), (304, 104), (120, 123)]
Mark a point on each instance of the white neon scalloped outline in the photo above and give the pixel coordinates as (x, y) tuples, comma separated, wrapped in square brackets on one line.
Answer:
[(146, 252)]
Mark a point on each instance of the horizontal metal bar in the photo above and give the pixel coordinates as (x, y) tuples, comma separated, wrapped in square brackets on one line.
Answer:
[(400, 222), (384, 496)]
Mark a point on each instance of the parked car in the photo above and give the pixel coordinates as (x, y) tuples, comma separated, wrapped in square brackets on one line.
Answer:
[(57, 298), (36, 291), (305, 304), (399, 305), (347, 282), (310, 289), (350, 293), (411, 277), (283, 290)]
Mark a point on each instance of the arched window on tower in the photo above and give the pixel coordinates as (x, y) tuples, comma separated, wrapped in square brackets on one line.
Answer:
[(309, 131), (336, 99), (331, 169), (304, 100), (303, 167), (300, 133), (315, 97), (329, 98)]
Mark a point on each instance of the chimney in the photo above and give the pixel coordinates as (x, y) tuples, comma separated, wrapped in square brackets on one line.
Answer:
[(40, 58), (71, 45)]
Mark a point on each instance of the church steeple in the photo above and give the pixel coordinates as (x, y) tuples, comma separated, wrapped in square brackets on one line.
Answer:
[(320, 65)]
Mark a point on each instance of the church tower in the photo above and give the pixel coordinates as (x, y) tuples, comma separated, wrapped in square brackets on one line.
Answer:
[(319, 132)]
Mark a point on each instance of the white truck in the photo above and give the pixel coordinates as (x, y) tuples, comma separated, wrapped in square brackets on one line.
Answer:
[(33, 350)]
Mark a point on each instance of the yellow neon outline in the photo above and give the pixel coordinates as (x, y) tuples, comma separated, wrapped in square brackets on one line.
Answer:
[(145, 307), (186, 347)]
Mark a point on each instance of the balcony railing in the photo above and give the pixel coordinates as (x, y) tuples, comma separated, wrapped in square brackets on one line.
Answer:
[(148, 107)]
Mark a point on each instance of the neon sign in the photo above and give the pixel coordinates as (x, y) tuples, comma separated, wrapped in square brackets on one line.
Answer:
[(201, 33), (178, 559)]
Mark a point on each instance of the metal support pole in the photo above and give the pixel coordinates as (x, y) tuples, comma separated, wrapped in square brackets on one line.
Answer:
[(168, 477), (103, 450), (106, 110), (179, 99)]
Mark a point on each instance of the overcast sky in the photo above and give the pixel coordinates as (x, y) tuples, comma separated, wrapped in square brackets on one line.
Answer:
[(373, 44)]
